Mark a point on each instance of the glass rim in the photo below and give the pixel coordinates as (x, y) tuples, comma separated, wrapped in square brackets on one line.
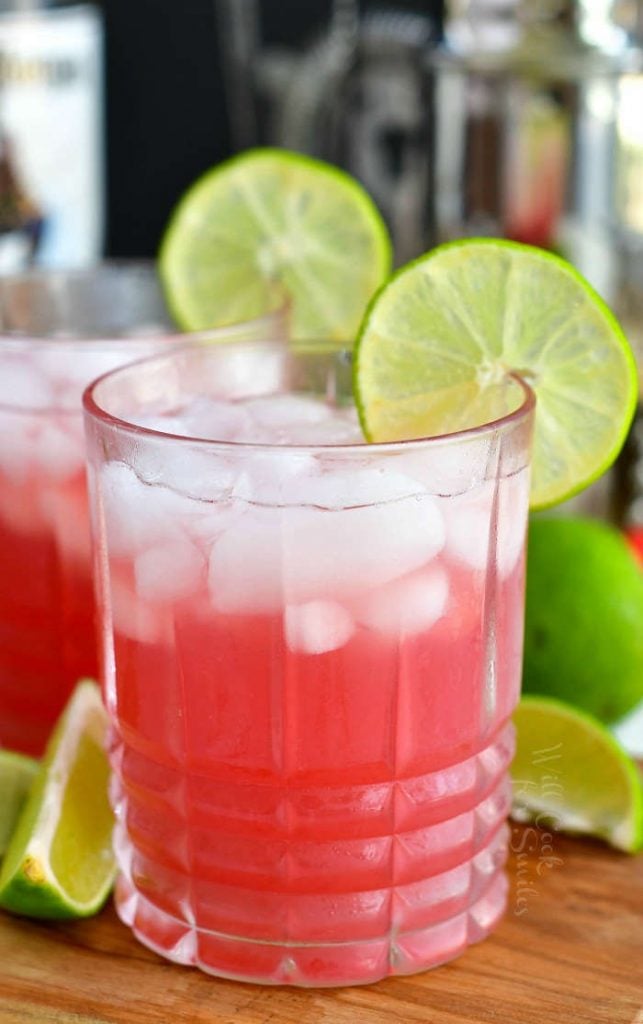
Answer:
[(93, 410), (10, 339)]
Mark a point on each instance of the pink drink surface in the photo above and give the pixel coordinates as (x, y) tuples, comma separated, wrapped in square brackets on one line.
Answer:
[(311, 746)]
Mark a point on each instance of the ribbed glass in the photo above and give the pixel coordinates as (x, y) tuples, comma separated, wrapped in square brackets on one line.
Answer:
[(311, 653)]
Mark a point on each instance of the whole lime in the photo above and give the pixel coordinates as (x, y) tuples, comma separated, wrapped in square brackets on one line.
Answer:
[(584, 617)]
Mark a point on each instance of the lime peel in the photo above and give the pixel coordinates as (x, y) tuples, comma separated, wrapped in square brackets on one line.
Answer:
[(270, 226), (583, 638), (571, 773)]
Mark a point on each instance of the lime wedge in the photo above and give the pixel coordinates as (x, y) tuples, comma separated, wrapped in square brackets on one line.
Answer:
[(16, 775), (59, 863), (439, 340), (570, 774), (267, 224)]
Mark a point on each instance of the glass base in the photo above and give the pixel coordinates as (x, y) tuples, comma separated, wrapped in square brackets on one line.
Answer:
[(335, 907), (324, 964)]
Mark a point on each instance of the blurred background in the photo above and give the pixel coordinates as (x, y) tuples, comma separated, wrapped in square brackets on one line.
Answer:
[(516, 118), (189, 84)]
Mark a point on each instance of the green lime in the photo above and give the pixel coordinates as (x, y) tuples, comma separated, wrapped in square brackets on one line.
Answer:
[(584, 617), (571, 775), (270, 223), (439, 340), (16, 775), (59, 863)]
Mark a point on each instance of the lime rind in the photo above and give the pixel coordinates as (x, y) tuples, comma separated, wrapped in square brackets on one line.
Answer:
[(270, 225), (599, 791), (437, 338), (584, 593), (29, 884)]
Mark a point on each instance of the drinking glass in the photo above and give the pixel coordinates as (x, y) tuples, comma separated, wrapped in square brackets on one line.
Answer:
[(58, 331), (311, 650)]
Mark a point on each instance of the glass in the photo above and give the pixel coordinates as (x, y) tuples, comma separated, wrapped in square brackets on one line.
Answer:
[(59, 331), (311, 652)]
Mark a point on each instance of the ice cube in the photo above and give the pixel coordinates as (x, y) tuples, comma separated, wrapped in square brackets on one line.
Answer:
[(136, 619), (355, 549), (22, 386), (169, 571), (468, 525), (204, 527), (334, 431), (471, 534), (276, 419), (189, 470), (18, 509), (269, 557), (59, 447), (217, 420), (248, 370), (281, 410), (51, 443), (272, 478), (137, 516), (407, 606), (19, 431), (65, 511), (73, 365), (164, 423), (245, 571), (446, 467), (317, 627), (513, 508), (349, 488)]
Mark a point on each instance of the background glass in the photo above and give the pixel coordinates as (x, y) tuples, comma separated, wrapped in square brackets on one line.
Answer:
[(59, 331)]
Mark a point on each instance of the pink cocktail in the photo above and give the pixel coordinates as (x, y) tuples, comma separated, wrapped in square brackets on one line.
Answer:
[(311, 652), (57, 333)]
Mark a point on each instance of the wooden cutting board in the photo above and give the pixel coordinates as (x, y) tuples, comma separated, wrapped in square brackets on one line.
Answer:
[(570, 951)]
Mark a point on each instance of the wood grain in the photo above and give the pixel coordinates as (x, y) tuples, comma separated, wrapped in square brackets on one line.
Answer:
[(569, 950)]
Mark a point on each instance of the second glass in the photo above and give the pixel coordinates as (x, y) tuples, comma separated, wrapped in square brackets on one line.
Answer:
[(58, 332)]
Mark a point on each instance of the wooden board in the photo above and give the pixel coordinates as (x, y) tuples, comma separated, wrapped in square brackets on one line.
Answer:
[(570, 951)]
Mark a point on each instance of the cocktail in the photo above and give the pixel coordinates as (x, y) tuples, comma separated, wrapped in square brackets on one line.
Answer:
[(58, 332), (311, 652), (311, 645), (309, 565)]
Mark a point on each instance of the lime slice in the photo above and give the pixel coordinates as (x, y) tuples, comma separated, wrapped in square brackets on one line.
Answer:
[(59, 863), (16, 775), (268, 224), (438, 341), (570, 774)]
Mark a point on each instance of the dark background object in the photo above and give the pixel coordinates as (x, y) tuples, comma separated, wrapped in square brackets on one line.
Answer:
[(165, 113), (166, 110)]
